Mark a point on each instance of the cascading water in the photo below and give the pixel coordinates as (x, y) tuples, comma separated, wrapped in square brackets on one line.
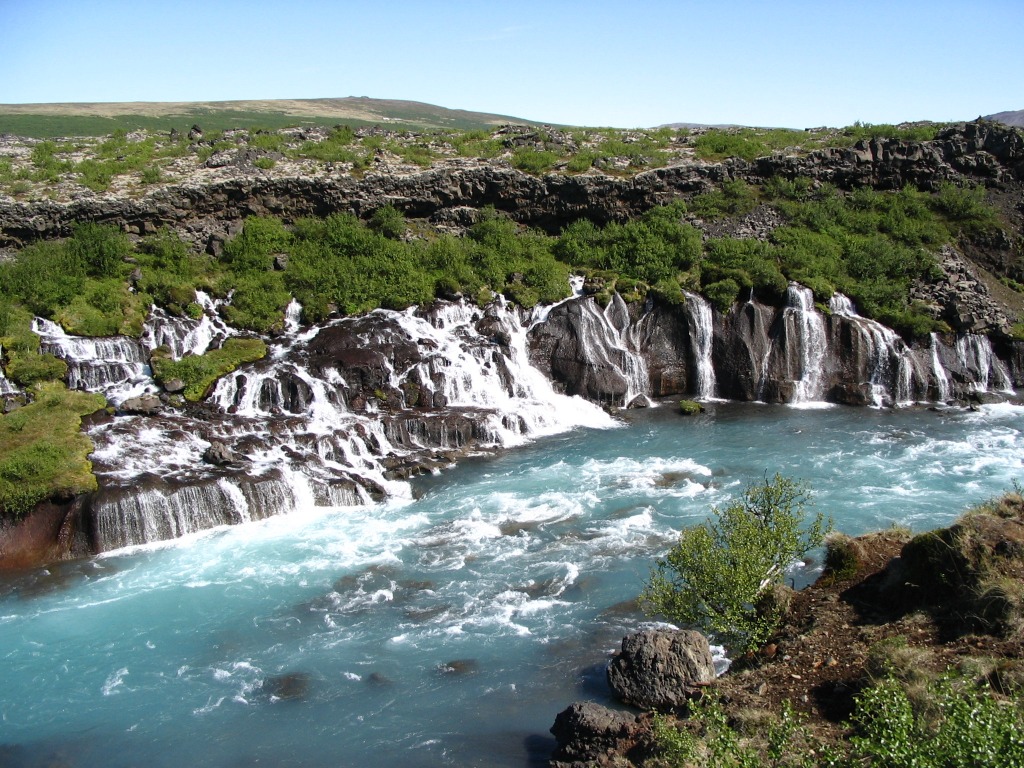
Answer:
[(806, 328), (701, 318), (185, 335), (939, 374), (7, 386), (115, 365), (610, 341), (975, 356), (891, 366), (299, 440)]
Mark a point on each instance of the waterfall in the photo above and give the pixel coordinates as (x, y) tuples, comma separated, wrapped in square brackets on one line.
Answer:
[(891, 366), (701, 319), (938, 370), (114, 365), (6, 385), (186, 335), (299, 440), (608, 342), (805, 326), (975, 356)]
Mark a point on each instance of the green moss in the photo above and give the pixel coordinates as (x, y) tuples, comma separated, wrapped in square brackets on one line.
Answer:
[(199, 372), (43, 453), (27, 368), (690, 407)]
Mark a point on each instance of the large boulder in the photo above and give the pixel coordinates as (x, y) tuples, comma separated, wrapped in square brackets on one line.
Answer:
[(590, 734), (661, 669)]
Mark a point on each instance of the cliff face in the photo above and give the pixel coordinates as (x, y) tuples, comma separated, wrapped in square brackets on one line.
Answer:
[(202, 203)]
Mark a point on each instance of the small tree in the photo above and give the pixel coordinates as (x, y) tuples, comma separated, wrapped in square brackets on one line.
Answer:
[(716, 573)]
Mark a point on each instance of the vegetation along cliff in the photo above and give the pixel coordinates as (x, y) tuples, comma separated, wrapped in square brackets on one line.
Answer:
[(204, 328)]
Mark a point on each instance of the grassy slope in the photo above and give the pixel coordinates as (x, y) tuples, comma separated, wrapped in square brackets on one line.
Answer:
[(97, 119)]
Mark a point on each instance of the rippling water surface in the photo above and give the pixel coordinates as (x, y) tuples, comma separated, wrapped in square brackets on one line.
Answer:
[(445, 631)]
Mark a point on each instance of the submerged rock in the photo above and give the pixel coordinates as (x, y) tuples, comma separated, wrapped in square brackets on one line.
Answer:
[(290, 686)]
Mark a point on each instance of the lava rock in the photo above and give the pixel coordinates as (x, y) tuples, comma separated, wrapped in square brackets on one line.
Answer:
[(174, 386), (219, 454), (587, 731), (144, 405), (661, 669), (290, 686)]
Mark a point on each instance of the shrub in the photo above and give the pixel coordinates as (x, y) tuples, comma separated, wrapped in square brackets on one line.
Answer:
[(973, 729), (388, 221), (842, 557), (535, 161), (733, 198), (100, 247), (716, 572)]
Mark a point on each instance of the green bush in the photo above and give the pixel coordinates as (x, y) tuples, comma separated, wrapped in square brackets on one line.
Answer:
[(101, 248), (715, 573), (388, 221), (733, 198), (535, 161), (975, 729)]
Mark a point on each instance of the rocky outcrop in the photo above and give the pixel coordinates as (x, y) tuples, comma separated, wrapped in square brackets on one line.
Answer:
[(661, 669), (202, 208), (588, 734)]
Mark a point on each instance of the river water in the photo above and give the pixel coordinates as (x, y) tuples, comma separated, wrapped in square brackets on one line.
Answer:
[(451, 629)]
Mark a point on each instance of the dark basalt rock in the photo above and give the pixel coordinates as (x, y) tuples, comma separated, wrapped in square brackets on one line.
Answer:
[(218, 454), (290, 686), (589, 734), (661, 669), (146, 405)]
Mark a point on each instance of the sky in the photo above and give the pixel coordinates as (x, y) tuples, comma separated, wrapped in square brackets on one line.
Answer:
[(788, 63)]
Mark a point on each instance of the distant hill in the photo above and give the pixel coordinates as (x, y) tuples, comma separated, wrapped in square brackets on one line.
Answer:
[(1008, 118), (97, 119)]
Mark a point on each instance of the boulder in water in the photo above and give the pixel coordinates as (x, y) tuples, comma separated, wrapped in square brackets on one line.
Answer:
[(219, 454), (174, 386), (661, 669), (144, 405)]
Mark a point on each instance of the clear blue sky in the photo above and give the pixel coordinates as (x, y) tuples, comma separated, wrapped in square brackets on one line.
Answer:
[(787, 63)]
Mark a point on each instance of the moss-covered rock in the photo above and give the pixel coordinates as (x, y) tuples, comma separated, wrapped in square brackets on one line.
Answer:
[(690, 407), (199, 372), (44, 453)]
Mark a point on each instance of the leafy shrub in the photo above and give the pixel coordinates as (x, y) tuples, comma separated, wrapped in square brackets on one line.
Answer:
[(252, 250), (733, 198), (715, 573), (100, 247), (974, 729), (388, 221), (533, 160), (655, 247)]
